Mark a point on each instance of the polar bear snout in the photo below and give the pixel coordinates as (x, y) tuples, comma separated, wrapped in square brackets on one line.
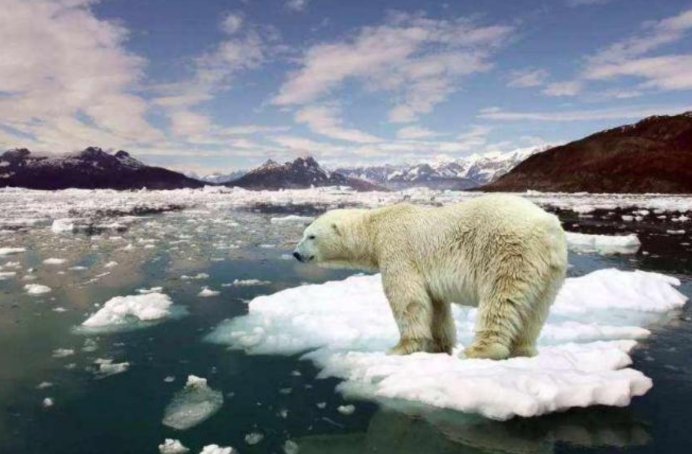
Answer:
[(302, 255)]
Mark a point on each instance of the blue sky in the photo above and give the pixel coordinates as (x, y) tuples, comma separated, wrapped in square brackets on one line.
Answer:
[(211, 85)]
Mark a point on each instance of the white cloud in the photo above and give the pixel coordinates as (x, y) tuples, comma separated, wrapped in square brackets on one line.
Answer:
[(629, 57), (419, 61), (415, 132), (324, 120), (566, 88), (67, 79), (296, 5), (531, 77), (214, 71), (587, 2), (635, 112), (232, 23)]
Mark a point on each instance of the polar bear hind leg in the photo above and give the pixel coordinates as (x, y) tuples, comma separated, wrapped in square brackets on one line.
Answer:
[(443, 329)]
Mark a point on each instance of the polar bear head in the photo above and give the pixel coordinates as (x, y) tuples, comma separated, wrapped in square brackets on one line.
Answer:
[(332, 239)]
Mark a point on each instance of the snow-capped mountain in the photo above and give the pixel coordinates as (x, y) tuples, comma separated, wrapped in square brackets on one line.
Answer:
[(301, 173), (91, 168), (462, 173), (219, 177)]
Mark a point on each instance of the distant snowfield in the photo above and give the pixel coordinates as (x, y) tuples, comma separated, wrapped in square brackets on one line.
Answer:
[(346, 326)]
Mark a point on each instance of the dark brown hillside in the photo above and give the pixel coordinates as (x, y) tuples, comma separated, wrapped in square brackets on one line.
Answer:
[(653, 155)]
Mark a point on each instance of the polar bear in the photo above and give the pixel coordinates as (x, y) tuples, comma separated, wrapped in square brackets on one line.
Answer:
[(499, 253)]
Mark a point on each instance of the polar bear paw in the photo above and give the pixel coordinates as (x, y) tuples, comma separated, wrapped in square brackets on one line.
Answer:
[(408, 346), (487, 351)]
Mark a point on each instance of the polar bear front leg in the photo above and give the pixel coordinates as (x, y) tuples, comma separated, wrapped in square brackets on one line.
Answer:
[(412, 310)]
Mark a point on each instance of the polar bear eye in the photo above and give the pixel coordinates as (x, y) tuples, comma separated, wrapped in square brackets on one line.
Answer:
[(311, 237)]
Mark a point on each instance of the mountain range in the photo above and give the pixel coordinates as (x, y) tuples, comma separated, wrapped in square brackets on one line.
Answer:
[(301, 173), (91, 168), (653, 155)]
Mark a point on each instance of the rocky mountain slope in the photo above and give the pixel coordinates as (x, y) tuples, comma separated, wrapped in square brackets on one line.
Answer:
[(91, 168), (301, 173), (653, 155)]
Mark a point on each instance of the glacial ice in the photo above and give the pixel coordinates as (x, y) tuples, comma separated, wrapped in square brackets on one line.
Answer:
[(192, 405), (602, 244), (346, 326), (124, 311)]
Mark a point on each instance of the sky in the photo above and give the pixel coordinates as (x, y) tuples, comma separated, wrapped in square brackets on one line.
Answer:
[(216, 85)]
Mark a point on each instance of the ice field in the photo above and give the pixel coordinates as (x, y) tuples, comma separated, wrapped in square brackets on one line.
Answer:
[(187, 307)]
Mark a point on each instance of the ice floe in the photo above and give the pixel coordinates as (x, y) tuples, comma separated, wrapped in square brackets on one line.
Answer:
[(106, 367), (62, 225), (207, 292), (292, 219), (130, 311), (36, 289), (4, 251), (192, 405), (346, 326), (54, 261), (248, 282), (216, 449), (171, 446), (603, 244)]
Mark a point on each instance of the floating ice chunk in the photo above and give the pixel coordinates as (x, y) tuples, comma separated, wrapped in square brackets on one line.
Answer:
[(62, 352), (63, 225), (199, 276), (7, 274), (291, 447), (36, 289), (77, 268), (146, 291), (253, 438), (4, 251), (192, 405), (48, 402), (675, 232), (207, 292), (54, 261), (126, 310), (111, 264), (346, 409), (106, 367), (292, 219), (44, 385), (171, 446), (216, 449), (583, 351), (249, 282), (602, 244)]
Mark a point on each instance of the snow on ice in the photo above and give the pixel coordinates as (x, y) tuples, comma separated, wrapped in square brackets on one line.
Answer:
[(192, 405), (602, 244), (126, 311), (171, 446), (346, 326)]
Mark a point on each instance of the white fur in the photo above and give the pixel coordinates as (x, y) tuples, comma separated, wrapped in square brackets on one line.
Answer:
[(500, 253)]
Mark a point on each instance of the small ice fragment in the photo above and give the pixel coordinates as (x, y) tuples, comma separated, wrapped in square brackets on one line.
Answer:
[(216, 449), (249, 282), (62, 225), (4, 251), (62, 352), (192, 405), (171, 446), (122, 310), (322, 405), (292, 219), (207, 292), (44, 385), (291, 447), (48, 402), (59, 309), (107, 367), (111, 264), (675, 232), (169, 379), (346, 409), (146, 291), (253, 438), (7, 274), (54, 261), (602, 244), (36, 289)]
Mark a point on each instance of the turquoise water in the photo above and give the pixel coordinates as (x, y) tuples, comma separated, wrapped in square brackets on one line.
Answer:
[(279, 397)]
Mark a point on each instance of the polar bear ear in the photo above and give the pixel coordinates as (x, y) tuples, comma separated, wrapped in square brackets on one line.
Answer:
[(336, 229)]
